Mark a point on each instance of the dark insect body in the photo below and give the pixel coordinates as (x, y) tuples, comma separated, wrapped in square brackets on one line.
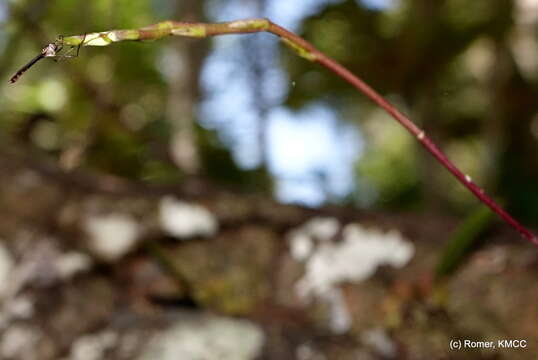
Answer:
[(51, 51)]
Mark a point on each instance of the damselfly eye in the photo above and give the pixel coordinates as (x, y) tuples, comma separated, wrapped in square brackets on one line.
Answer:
[(50, 50)]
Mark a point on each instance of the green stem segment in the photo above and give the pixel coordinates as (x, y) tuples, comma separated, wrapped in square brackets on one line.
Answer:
[(307, 51)]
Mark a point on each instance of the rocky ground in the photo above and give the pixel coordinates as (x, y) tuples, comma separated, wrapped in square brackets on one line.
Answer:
[(93, 267)]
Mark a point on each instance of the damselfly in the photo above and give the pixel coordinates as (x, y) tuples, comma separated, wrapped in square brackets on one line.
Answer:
[(52, 50)]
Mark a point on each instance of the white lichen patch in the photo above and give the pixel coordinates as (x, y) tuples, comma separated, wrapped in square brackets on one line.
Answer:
[(321, 228), (301, 246), (44, 265), (301, 240), (21, 307), (72, 263), (93, 347), (18, 342), (381, 343), (18, 308), (111, 236), (331, 258), (208, 338), (340, 319), (6, 267), (183, 220), (353, 259)]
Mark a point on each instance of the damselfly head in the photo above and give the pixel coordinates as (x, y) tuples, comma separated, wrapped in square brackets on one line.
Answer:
[(50, 50)]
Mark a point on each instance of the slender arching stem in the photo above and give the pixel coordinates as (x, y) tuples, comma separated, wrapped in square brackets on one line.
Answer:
[(307, 51)]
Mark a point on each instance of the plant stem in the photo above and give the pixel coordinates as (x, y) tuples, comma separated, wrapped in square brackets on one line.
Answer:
[(307, 51)]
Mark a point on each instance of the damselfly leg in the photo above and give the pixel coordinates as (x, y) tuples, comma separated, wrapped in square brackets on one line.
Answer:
[(67, 54)]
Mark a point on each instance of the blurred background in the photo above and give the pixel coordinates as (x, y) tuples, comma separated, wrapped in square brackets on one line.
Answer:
[(238, 111), (109, 158)]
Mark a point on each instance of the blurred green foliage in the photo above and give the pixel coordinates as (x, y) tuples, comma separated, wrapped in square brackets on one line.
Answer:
[(462, 241), (109, 102), (450, 64), (452, 67)]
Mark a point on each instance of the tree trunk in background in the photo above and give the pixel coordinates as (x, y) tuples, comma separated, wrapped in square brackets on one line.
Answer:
[(184, 69), (420, 95), (518, 173), (513, 109)]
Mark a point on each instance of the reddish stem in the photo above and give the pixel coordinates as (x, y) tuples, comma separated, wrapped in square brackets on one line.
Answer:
[(409, 125)]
